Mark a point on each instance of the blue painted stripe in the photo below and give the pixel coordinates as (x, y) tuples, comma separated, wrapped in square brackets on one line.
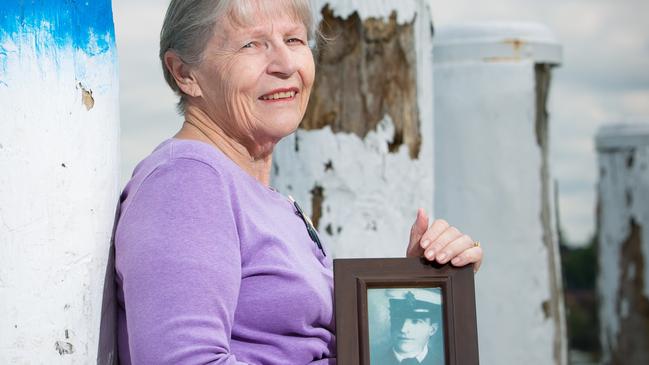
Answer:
[(83, 24)]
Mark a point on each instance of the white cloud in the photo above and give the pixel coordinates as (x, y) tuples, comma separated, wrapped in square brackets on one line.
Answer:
[(580, 214), (636, 102)]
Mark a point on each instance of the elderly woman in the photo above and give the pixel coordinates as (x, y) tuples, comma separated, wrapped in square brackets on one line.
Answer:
[(213, 265)]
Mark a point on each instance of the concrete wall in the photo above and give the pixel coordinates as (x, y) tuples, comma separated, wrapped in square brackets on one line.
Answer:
[(360, 164), (59, 133), (623, 243), (492, 180)]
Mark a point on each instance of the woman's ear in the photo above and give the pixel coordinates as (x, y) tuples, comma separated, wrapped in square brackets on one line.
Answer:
[(182, 73)]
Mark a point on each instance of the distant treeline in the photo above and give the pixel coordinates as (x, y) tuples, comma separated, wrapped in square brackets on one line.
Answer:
[(579, 265)]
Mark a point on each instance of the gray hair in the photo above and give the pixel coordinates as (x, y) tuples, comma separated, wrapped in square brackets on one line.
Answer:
[(189, 24)]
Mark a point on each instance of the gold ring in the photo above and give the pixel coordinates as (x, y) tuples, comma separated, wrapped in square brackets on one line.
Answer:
[(476, 244)]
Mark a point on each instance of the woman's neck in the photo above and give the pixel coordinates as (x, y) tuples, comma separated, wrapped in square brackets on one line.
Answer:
[(198, 126)]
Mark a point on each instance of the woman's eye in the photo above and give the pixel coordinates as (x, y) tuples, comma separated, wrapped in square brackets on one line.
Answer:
[(295, 41), (249, 45)]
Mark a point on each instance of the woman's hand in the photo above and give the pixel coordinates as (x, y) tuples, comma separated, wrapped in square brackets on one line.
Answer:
[(442, 242)]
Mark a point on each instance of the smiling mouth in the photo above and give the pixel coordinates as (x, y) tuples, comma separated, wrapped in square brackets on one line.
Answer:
[(279, 95)]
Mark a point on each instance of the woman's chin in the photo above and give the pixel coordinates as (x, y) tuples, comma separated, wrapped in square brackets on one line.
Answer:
[(275, 132)]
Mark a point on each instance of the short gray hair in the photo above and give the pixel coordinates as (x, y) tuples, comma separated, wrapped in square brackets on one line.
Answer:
[(189, 24)]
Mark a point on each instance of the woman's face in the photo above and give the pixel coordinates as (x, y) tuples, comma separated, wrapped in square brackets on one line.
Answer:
[(255, 81)]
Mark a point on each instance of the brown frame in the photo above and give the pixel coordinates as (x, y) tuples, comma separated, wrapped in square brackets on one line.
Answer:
[(352, 278)]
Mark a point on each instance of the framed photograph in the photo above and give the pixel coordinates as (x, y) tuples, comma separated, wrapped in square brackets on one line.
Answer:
[(404, 311)]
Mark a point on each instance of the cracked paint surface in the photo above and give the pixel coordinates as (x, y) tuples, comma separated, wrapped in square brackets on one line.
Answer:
[(60, 137), (623, 243), (364, 172), (492, 180), (366, 70)]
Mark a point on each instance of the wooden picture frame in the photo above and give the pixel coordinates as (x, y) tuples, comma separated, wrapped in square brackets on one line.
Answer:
[(355, 278)]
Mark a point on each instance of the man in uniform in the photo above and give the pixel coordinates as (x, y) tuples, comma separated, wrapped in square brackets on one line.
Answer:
[(414, 320)]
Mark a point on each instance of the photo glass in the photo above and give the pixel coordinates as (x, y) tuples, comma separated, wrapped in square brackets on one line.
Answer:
[(405, 326)]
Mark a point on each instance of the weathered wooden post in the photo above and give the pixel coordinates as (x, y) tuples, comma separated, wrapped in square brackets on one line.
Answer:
[(492, 179), (623, 243), (59, 134), (360, 163)]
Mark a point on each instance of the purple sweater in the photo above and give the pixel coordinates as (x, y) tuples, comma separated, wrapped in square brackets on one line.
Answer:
[(215, 268)]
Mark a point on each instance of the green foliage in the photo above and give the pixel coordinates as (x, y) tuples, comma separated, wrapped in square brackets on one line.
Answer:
[(579, 267)]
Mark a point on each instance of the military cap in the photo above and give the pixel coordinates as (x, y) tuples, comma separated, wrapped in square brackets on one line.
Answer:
[(413, 302)]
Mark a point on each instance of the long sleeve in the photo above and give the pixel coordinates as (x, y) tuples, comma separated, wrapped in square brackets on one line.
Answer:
[(213, 267), (178, 263)]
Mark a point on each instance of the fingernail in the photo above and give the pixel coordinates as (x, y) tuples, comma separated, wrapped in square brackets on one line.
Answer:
[(430, 255), (441, 258), (456, 261), (425, 243)]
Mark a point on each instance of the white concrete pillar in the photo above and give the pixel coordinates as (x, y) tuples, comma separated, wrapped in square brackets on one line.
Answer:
[(59, 133), (492, 180), (623, 243), (361, 162)]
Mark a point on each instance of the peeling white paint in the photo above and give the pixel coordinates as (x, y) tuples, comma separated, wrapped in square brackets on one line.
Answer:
[(369, 203), (58, 191), (488, 182), (370, 196), (405, 9), (617, 145), (503, 41)]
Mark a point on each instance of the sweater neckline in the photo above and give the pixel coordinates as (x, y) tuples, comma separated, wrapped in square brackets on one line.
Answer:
[(231, 165)]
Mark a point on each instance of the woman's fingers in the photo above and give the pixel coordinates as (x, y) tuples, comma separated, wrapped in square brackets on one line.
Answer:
[(442, 242), (471, 256), (434, 231), (452, 249), (437, 237)]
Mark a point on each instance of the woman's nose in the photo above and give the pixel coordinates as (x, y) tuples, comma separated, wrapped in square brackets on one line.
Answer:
[(282, 62)]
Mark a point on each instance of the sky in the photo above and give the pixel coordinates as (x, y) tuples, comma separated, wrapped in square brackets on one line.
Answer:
[(604, 78)]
